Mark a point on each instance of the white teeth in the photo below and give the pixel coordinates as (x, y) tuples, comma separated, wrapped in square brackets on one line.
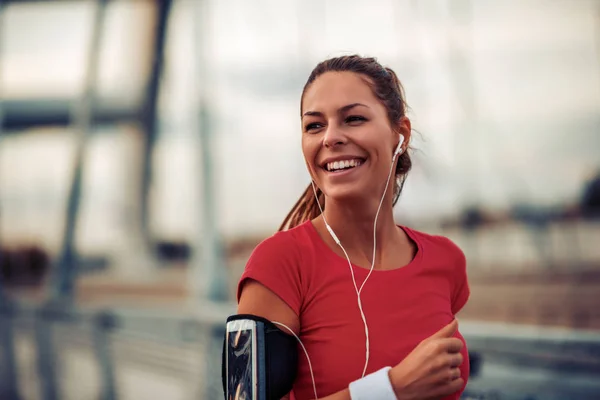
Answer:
[(337, 165)]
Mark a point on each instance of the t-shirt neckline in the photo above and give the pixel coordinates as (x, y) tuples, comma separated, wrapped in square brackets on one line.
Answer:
[(327, 251)]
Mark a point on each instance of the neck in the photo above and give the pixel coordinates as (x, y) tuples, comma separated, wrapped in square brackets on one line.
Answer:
[(353, 224)]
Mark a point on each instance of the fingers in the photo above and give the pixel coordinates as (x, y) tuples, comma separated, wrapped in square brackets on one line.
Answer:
[(446, 375), (446, 362), (452, 345), (448, 388), (453, 374), (447, 331), (456, 360), (451, 361), (447, 382)]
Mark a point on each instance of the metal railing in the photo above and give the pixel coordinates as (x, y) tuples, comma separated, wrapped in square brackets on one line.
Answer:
[(123, 353)]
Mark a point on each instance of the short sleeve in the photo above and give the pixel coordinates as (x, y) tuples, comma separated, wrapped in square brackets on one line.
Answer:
[(461, 290), (275, 263)]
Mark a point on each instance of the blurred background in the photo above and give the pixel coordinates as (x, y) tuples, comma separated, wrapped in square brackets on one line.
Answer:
[(146, 146)]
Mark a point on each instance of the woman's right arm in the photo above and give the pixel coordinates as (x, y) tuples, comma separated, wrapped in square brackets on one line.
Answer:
[(256, 299), (430, 371)]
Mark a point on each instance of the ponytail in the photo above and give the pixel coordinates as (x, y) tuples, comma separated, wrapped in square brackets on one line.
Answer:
[(305, 209)]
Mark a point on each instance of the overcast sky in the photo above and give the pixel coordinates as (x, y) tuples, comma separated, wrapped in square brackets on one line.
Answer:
[(507, 101)]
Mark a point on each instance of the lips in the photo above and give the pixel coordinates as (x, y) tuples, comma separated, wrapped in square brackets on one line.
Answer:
[(341, 162), (342, 165)]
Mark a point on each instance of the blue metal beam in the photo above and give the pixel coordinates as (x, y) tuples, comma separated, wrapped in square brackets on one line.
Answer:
[(8, 365), (22, 114), (66, 268), (207, 273), (149, 113)]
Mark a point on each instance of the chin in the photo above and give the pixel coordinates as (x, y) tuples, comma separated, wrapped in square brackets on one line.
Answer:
[(346, 193)]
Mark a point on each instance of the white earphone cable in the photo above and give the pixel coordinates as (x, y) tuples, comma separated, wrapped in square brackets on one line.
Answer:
[(335, 238), (358, 290), (375, 225), (307, 357)]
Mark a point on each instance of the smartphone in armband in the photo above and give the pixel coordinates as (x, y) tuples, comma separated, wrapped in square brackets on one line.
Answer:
[(245, 360)]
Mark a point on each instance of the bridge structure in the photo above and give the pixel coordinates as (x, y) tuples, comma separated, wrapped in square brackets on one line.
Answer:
[(531, 335)]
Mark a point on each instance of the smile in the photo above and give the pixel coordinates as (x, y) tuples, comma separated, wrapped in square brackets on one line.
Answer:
[(343, 165)]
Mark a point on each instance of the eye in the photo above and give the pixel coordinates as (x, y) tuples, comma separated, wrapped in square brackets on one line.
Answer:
[(313, 126), (355, 119)]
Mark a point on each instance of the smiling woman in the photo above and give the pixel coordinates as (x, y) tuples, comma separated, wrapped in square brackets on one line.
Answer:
[(349, 130), (402, 341), (384, 96)]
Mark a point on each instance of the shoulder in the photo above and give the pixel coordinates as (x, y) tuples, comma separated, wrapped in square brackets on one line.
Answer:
[(280, 257), (438, 244), (284, 244), (277, 264), (447, 254)]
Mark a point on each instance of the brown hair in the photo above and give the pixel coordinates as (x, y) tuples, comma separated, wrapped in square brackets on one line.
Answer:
[(388, 89)]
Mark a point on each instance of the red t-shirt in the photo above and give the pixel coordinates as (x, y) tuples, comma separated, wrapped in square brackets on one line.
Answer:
[(402, 306)]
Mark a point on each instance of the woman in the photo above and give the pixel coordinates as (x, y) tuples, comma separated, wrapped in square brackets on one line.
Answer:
[(307, 276)]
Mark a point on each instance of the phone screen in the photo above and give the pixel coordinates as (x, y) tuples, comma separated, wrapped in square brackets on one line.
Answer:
[(240, 376)]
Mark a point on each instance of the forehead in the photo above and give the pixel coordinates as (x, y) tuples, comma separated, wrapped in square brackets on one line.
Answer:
[(333, 90)]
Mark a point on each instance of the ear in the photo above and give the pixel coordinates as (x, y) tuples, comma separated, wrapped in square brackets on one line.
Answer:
[(403, 128)]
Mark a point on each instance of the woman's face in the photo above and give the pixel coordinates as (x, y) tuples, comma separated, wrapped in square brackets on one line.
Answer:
[(347, 139)]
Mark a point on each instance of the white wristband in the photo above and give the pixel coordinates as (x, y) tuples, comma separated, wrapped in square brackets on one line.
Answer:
[(373, 386)]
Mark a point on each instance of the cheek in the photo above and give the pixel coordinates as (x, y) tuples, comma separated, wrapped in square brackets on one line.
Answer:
[(309, 150)]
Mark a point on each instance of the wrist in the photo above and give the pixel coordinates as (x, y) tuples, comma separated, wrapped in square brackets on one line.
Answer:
[(397, 383), (373, 386)]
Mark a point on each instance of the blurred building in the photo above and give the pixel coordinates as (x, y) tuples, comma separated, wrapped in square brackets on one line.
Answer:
[(504, 101), (186, 117), (504, 95)]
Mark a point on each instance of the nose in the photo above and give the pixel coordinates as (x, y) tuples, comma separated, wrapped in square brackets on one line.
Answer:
[(333, 137)]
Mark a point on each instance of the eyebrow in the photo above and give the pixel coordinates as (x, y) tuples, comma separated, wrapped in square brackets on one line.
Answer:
[(342, 110)]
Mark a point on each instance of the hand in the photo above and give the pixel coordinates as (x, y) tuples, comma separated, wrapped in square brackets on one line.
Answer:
[(431, 370)]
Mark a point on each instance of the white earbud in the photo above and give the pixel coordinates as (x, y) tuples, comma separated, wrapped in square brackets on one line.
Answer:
[(399, 147)]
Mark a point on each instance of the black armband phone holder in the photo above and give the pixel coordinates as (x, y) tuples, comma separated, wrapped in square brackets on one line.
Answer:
[(276, 359)]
